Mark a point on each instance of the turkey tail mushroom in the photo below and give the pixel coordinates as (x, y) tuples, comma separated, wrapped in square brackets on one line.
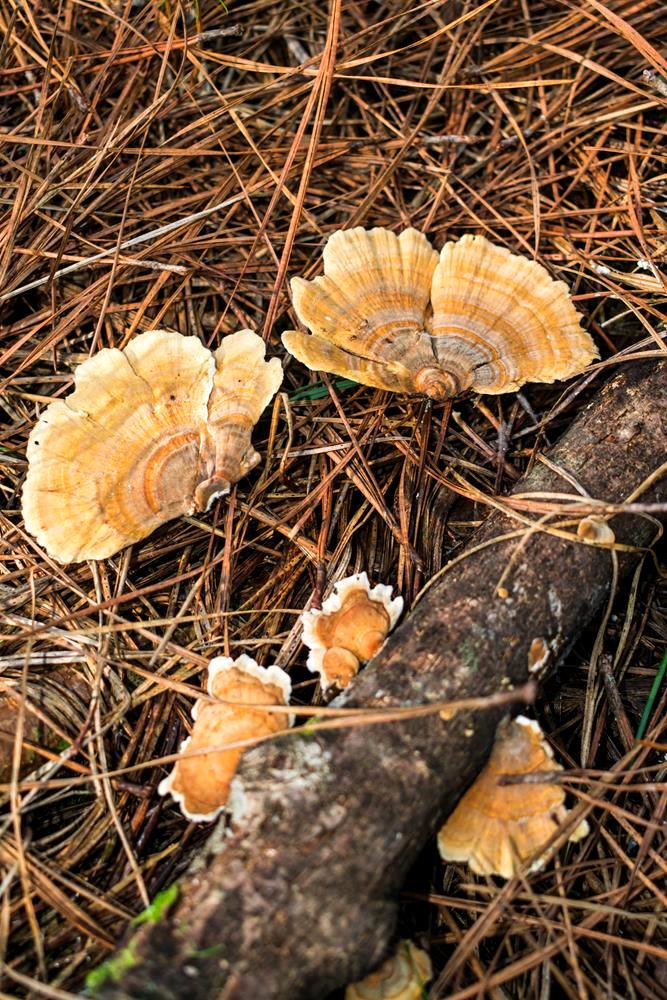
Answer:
[(389, 313), (349, 629), (500, 320), (496, 828), (151, 432), (367, 311)]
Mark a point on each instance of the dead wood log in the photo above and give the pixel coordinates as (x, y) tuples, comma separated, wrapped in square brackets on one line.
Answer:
[(297, 897)]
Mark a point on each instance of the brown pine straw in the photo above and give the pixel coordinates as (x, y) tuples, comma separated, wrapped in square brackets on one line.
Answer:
[(172, 163)]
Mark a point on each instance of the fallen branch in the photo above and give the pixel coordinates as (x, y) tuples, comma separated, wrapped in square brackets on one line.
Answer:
[(297, 896)]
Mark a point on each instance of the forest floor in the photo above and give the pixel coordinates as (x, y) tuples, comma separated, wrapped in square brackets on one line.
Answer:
[(172, 164)]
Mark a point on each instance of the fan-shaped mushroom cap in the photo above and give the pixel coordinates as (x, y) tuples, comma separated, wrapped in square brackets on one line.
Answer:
[(367, 312), (390, 314), (150, 432), (401, 977), (495, 828), (200, 784), (500, 320), (350, 628)]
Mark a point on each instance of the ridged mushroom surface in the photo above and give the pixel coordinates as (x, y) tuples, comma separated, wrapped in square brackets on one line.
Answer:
[(151, 432), (200, 781), (390, 312), (349, 629)]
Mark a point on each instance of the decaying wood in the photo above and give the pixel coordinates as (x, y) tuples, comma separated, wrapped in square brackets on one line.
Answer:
[(297, 897)]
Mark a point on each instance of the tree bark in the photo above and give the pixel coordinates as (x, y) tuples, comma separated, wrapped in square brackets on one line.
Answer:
[(297, 896)]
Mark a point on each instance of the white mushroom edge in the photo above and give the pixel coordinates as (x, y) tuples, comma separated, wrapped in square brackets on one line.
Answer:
[(580, 831), (273, 675), (381, 593)]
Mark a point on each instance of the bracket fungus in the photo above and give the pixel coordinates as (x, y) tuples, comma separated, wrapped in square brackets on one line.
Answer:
[(402, 977), (390, 312), (151, 432), (349, 629), (495, 828), (200, 784)]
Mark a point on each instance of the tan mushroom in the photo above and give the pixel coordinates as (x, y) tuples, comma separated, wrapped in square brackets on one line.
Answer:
[(200, 783), (349, 629), (496, 828), (595, 530), (402, 977), (151, 432), (390, 313)]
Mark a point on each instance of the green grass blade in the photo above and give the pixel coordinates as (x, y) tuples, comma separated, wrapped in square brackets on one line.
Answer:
[(319, 390), (657, 684)]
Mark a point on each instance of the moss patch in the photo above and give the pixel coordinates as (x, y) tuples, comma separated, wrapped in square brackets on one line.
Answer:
[(158, 907), (112, 970)]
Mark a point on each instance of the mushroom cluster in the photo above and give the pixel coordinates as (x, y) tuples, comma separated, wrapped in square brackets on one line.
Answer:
[(391, 313), (163, 427), (151, 432), (350, 628)]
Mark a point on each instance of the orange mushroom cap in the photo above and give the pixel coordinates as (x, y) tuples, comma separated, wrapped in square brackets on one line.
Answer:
[(496, 828), (349, 629), (390, 312), (200, 783), (151, 432)]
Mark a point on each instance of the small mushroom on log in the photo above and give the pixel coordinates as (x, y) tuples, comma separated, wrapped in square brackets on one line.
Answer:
[(403, 976), (200, 783), (297, 896), (349, 629), (496, 828)]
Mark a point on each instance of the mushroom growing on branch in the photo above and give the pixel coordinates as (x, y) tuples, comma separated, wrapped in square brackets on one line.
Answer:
[(200, 782), (302, 897), (151, 432), (402, 977), (496, 828), (349, 629), (390, 313)]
